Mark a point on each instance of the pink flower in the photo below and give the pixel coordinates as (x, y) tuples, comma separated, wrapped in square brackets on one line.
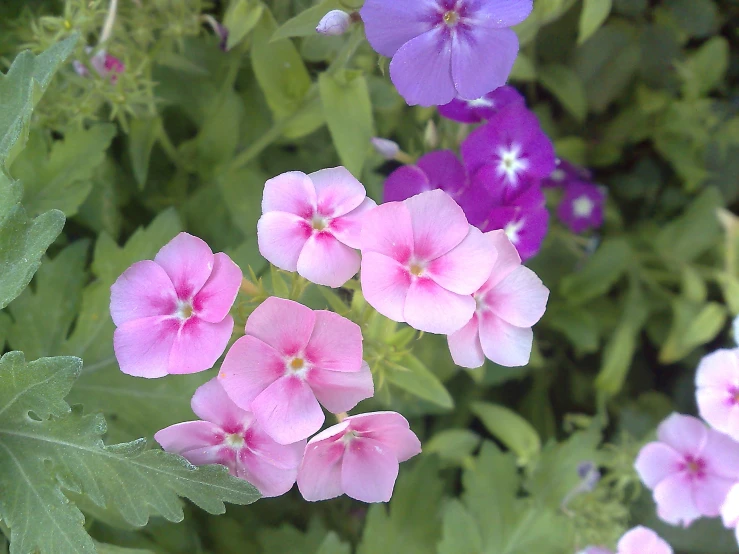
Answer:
[(639, 540), (104, 64), (291, 359), (717, 382), (172, 313), (730, 510), (231, 437), (507, 305), (421, 261), (358, 457), (311, 224), (690, 469)]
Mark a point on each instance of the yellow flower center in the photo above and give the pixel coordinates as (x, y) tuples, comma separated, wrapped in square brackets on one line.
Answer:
[(416, 269), (297, 364), (451, 18)]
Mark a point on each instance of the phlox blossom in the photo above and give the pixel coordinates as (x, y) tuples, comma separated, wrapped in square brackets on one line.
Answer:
[(480, 109), (358, 457), (690, 469), (172, 313), (291, 359), (717, 391), (311, 224), (581, 207), (507, 305), (421, 262), (230, 436), (564, 173), (730, 510), (638, 540)]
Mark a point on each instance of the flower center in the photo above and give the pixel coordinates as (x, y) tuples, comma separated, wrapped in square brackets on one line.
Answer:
[(297, 367), (513, 229), (695, 466), (349, 436), (558, 175), (481, 103), (451, 18), (234, 440), (416, 269), (583, 207), (511, 162), (297, 364), (184, 310), (319, 223)]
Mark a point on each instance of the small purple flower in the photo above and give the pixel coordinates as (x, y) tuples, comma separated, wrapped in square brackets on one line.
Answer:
[(483, 108), (564, 173), (514, 144), (443, 49), (581, 208), (334, 23)]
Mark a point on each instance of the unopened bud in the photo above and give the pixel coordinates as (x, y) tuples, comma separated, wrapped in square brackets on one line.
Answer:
[(334, 23), (431, 135), (386, 148)]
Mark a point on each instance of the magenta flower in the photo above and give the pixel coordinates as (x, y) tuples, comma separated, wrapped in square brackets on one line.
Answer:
[(730, 510), (483, 108), (581, 208), (104, 64), (291, 359), (717, 393), (510, 302), (421, 262), (172, 314), (311, 224), (515, 147), (690, 469), (231, 437), (358, 457), (442, 49), (436, 170), (564, 173)]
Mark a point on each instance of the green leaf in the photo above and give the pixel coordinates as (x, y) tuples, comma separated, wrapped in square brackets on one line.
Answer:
[(348, 111), (510, 428), (593, 15), (411, 375), (460, 534), (523, 69), (304, 24), (113, 549), (600, 273), (241, 17), (693, 324), (58, 448), (698, 18), (566, 86), (142, 135), (705, 69), (453, 445)]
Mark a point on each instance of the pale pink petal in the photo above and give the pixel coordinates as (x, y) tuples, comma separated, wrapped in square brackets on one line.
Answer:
[(250, 367), (340, 391), (387, 230), (657, 461), (385, 284), (719, 369), (718, 409), (721, 454), (199, 344), (686, 434), (211, 403), (269, 480), (143, 290), (220, 454), (287, 410), (730, 508), (331, 434), (190, 435), (348, 228), (142, 347), (503, 343), (465, 347), (389, 428), (281, 237), (188, 260), (433, 309), (369, 470), (215, 299), (326, 261), (335, 344), (674, 499), (338, 191), (438, 224), (520, 298), (641, 540), (282, 456), (506, 261), (283, 324), (709, 494), (292, 192), (319, 475), (467, 266)]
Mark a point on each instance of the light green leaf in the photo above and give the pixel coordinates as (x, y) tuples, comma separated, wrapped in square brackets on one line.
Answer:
[(705, 69), (348, 111), (599, 274), (241, 17), (414, 377), (565, 84), (693, 324), (142, 135), (593, 15), (460, 534), (510, 428), (113, 549), (523, 69), (332, 544), (453, 445), (304, 24)]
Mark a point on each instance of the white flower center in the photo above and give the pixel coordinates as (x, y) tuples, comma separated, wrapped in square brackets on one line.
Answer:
[(481, 103), (513, 229), (558, 175), (184, 310), (297, 367), (234, 440), (319, 223), (511, 163), (348, 437), (583, 206)]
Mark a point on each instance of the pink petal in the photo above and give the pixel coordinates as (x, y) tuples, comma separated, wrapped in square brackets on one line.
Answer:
[(143, 290), (385, 284), (250, 367), (287, 410), (348, 228), (465, 347), (142, 346), (337, 190), (433, 309), (387, 230), (686, 434), (641, 540), (709, 494), (326, 261), (466, 267), (506, 261), (211, 403), (292, 192), (283, 324), (215, 299), (389, 428), (188, 261), (718, 409), (730, 508), (199, 344), (319, 475), (335, 344), (721, 454), (719, 369), (369, 470), (520, 298), (281, 237), (438, 224), (340, 391), (389, 25), (269, 466), (503, 343), (482, 60), (190, 435), (657, 461), (674, 500)]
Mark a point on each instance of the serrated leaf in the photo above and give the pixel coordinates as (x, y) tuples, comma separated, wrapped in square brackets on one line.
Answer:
[(411, 375), (593, 15)]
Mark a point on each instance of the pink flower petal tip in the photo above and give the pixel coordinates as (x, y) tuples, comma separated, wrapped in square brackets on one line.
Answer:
[(641, 540), (717, 391)]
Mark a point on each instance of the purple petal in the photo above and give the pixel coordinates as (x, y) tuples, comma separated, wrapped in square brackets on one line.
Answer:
[(500, 13), (405, 182), (482, 60), (389, 24), (444, 171)]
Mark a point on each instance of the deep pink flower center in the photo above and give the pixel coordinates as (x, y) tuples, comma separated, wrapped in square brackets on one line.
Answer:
[(694, 467), (733, 395)]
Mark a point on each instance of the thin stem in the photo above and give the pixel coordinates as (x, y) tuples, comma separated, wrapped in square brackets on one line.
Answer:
[(109, 21)]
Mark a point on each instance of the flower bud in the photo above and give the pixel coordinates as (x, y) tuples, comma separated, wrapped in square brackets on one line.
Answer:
[(334, 23), (386, 148)]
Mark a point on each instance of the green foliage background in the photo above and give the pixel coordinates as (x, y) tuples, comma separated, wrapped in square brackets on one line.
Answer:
[(645, 93)]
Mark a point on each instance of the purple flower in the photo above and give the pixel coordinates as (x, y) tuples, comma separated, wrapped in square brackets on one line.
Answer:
[(513, 143), (581, 208), (443, 49), (483, 108), (564, 173)]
